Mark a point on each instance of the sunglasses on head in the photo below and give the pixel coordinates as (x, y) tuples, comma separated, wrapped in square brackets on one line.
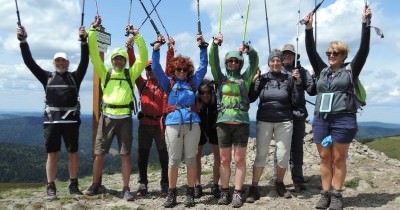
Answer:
[(232, 60), (334, 54)]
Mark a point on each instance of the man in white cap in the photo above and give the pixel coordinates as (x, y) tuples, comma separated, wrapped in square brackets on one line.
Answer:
[(62, 108)]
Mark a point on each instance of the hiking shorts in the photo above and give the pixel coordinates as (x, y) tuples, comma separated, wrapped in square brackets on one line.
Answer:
[(233, 134), (107, 129), (342, 127), (209, 136), (54, 132)]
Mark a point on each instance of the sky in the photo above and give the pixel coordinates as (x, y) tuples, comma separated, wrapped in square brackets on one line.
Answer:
[(52, 26)]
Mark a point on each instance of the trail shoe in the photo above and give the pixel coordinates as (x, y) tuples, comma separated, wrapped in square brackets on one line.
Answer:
[(237, 200), (253, 194), (51, 191), (164, 190), (142, 190), (189, 202), (336, 200), (198, 191), (299, 187), (127, 195), (215, 191), (73, 188), (281, 190), (324, 201), (224, 198), (92, 190), (171, 198)]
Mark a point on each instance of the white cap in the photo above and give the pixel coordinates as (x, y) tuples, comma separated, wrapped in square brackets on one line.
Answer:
[(61, 55)]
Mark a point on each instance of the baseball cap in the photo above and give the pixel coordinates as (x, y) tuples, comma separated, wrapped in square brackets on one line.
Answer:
[(61, 55)]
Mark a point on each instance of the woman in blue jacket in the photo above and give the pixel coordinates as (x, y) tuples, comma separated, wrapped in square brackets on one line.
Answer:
[(182, 132)]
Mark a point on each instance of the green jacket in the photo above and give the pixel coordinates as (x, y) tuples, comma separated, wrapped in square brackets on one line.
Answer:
[(230, 88), (117, 91)]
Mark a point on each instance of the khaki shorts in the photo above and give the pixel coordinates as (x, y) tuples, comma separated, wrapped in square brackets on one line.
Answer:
[(107, 129)]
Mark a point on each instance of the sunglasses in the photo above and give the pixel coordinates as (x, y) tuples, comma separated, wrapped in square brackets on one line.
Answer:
[(232, 61), (181, 70), (334, 54)]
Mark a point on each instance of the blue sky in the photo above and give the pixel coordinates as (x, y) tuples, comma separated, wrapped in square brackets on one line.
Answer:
[(52, 26)]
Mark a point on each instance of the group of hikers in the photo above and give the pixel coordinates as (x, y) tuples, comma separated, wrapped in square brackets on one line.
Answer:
[(182, 111)]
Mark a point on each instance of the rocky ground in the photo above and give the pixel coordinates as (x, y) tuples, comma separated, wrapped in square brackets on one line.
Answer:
[(373, 182)]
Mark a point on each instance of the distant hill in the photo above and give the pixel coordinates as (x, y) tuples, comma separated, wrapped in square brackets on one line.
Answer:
[(371, 130)]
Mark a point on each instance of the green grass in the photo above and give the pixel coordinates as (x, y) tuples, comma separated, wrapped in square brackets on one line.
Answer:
[(352, 183), (388, 145)]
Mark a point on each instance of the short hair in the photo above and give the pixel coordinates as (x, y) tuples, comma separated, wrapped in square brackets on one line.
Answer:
[(181, 62), (339, 46)]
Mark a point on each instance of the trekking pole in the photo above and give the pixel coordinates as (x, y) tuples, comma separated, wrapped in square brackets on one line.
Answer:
[(159, 18), (151, 12), (19, 19), (266, 19), (315, 25), (297, 37), (220, 17), (129, 17), (312, 12), (201, 43), (378, 31), (83, 12), (245, 22), (152, 23), (220, 20), (97, 8)]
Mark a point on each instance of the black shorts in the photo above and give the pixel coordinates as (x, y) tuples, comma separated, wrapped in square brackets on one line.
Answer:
[(210, 136), (68, 131)]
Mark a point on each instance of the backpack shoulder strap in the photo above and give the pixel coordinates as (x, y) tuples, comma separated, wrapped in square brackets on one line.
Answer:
[(128, 78), (108, 76)]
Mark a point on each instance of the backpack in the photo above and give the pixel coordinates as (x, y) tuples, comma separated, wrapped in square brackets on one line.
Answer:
[(133, 105), (171, 108), (244, 104), (358, 90)]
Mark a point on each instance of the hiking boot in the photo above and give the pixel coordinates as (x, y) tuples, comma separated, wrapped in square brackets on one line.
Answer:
[(253, 194), (51, 191), (198, 191), (281, 190), (189, 202), (142, 190), (171, 198), (215, 191), (164, 190), (299, 187), (324, 201), (74, 189), (127, 195), (237, 200), (92, 190), (224, 198), (336, 200)]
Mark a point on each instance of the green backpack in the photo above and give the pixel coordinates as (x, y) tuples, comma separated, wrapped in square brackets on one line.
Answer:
[(358, 90)]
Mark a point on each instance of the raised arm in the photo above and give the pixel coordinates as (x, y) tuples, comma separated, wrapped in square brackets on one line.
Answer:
[(361, 56), (202, 70), (99, 67), (37, 71), (84, 62), (251, 71), (161, 76), (214, 59), (141, 61), (315, 59)]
